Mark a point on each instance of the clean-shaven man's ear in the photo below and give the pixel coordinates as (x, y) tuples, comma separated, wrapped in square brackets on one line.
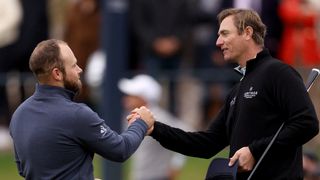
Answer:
[(248, 31)]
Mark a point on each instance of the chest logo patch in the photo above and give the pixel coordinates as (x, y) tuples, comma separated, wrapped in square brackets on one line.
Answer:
[(250, 94), (103, 130)]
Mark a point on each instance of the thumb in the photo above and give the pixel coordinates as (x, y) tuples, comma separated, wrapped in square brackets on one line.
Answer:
[(135, 110), (233, 159)]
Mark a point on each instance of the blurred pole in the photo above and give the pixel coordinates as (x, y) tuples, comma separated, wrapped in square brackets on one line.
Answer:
[(114, 43)]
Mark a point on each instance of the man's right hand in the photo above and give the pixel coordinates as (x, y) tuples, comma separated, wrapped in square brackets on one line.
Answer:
[(145, 114)]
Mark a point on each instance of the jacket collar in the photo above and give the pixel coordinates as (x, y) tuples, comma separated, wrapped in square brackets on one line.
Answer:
[(54, 91), (253, 62), (240, 70)]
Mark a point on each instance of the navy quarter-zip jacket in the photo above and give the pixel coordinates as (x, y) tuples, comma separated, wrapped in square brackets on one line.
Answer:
[(269, 94), (56, 138)]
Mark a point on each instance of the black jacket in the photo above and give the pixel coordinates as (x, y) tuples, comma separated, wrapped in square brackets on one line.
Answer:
[(269, 94)]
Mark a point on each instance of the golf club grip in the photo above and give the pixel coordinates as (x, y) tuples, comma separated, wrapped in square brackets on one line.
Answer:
[(311, 79)]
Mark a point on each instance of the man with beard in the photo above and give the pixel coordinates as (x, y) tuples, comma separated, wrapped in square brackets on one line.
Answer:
[(55, 137)]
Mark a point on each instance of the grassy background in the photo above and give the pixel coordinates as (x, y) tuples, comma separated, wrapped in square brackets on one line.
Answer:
[(195, 168), (8, 168)]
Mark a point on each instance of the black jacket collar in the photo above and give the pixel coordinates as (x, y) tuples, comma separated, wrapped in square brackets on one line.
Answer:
[(261, 56)]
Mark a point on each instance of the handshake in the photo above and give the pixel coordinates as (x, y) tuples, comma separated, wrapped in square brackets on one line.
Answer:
[(143, 113)]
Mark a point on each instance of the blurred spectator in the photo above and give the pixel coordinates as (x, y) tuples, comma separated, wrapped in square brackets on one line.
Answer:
[(82, 33), (94, 74), (5, 139), (11, 16), (208, 59), (15, 53), (204, 33), (311, 166), (161, 28), (151, 161), (300, 45), (34, 28)]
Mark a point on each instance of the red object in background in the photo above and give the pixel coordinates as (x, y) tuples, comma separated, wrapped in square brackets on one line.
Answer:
[(300, 45)]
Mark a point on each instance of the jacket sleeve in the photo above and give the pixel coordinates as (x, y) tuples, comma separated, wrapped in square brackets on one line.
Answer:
[(18, 163), (203, 144), (301, 123), (95, 135)]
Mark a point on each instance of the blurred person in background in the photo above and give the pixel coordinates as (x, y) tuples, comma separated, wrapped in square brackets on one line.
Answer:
[(300, 44), (24, 23), (33, 29), (30, 29), (207, 60), (151, 161), (10, 20), (161, 28), (55, 137), (311, 166), (82, 33), (11, 17)]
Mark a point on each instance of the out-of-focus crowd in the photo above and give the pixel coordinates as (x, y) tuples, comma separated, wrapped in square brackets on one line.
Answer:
[(171, 40)]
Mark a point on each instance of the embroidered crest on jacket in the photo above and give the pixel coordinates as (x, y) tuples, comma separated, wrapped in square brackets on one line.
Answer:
[(103, 130), (250, 94)]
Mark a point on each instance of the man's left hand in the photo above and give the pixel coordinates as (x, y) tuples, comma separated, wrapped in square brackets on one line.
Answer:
[(245, 158)]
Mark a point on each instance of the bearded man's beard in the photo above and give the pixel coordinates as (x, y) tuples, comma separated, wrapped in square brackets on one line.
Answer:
[(74, 86)]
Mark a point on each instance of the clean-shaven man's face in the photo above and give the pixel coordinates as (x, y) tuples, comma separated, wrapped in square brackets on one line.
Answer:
[(232, 44)]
